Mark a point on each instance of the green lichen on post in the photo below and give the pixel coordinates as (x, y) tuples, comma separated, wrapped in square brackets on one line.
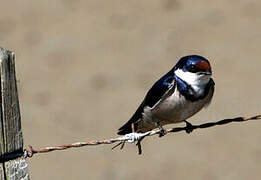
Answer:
[(2, 171), (17, 169)]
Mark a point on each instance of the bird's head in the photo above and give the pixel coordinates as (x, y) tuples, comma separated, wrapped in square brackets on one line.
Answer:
[(193, 69)]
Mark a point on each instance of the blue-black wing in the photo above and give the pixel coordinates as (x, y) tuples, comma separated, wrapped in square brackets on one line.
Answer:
[(152, 97)]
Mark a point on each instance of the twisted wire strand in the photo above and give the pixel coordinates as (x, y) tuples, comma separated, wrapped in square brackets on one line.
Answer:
[(132, 137)]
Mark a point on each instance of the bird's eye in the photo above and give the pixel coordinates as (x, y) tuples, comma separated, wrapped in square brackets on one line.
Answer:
[(192, 68)]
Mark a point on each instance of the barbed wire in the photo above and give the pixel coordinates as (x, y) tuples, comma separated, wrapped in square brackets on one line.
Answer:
[(134, 137)]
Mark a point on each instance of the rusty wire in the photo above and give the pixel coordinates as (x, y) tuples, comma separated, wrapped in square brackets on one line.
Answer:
[(133, 137)]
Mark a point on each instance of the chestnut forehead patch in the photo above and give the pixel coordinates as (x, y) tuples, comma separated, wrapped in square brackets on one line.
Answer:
[(203, 65)]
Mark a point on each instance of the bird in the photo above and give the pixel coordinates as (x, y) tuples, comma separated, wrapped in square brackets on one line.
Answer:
[(175, 97)]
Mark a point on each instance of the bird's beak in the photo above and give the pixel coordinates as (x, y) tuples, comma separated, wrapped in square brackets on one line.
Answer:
[(206, 73)]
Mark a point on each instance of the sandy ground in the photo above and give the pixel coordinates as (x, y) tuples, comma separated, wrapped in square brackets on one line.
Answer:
[(84, 66)]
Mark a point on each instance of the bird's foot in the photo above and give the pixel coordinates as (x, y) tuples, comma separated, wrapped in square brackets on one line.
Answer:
[(162, 132), (189, 127)]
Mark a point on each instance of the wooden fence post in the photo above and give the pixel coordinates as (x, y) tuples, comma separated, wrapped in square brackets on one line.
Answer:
[(13, 165)]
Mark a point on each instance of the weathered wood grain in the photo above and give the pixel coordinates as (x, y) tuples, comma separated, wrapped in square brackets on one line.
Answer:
[(11, 133), (12, 164)]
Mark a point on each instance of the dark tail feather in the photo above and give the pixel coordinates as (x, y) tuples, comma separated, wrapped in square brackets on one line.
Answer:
[(126, 128)]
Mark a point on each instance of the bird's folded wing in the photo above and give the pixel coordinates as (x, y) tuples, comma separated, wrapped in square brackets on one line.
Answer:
[(168, 93), (158, 92)]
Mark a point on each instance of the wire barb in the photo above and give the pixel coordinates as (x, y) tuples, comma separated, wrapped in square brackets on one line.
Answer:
[(133, 137)]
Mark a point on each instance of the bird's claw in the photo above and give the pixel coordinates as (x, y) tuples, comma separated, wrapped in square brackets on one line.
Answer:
[(189, 127), (162, 131)]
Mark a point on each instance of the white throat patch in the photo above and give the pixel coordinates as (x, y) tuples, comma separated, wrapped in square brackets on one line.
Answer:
[(196, 81)]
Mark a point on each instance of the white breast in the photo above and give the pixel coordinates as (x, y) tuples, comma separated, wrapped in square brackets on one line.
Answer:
[(176, 108), (172, 109)]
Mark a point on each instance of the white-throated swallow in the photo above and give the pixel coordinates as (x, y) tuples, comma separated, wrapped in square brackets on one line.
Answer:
[(175, 97)]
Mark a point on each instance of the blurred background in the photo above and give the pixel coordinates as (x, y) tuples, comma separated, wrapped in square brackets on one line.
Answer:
[(84, 66)]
